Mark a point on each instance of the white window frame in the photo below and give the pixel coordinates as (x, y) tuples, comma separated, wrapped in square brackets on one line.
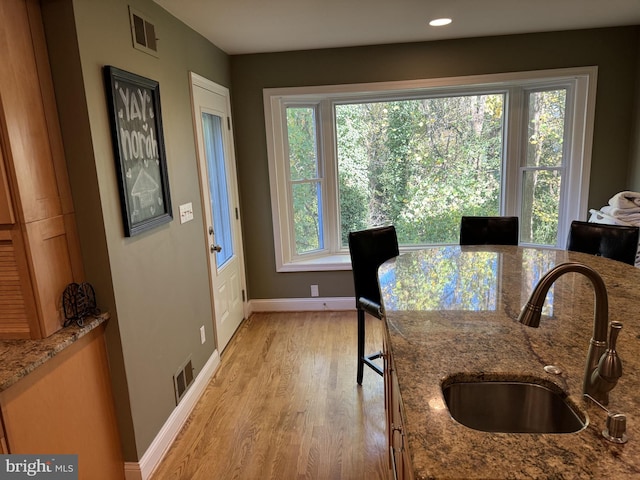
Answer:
[(580, 111)]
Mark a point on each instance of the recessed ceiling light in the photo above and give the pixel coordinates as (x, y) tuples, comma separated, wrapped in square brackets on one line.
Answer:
[(439, 22)]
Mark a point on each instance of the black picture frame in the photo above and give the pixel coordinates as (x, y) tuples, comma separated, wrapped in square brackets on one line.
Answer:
[(135, 118)]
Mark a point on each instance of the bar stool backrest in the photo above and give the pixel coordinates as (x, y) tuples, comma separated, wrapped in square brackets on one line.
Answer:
[(369, 249), (489, 230), (617, 242)]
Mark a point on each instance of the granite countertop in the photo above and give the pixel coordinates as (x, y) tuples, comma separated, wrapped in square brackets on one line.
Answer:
[(451, 312), (18, 358)]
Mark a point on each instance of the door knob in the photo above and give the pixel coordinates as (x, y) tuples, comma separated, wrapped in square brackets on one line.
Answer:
[(215, 248)]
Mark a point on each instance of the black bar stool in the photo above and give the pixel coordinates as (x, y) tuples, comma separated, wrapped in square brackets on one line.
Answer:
[(369, 249), (617, 242), (489, 230)]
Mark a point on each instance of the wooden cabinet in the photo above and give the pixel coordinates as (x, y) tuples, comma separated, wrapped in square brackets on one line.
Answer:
[(4, 449), (399, 456), (65, 406), (39, 249), (6, 208)]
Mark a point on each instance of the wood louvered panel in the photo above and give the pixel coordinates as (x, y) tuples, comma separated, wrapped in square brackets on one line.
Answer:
[(13, 312)]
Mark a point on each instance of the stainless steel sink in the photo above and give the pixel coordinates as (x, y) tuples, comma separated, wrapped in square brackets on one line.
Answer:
[(511, 407)]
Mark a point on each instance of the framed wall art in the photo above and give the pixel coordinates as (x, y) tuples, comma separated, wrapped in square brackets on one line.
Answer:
[(138, 144)]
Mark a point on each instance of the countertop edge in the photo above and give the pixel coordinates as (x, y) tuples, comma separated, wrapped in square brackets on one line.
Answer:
[(18, 358)]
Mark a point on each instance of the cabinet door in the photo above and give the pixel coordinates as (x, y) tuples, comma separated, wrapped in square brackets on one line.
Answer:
[(6, 209), (18, 316), (48, 251), (397, 435), (65, 406), (24, 124), (399, 455)]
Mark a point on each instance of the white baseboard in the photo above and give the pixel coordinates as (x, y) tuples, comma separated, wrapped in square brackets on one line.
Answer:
[(143, 469), (302, 304)]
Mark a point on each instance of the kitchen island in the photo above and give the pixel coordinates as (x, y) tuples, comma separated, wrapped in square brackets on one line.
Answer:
[(451, 314)]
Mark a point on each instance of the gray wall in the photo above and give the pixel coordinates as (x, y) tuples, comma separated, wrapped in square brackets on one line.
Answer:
[(155, 285), (614, 51)]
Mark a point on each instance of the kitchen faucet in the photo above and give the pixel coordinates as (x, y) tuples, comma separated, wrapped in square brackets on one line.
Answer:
[(604, 366)]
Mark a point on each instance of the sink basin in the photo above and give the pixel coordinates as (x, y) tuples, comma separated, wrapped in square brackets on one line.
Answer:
[(511, 407)]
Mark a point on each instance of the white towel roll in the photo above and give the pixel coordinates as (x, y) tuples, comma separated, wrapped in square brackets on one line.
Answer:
[(625, 199), (628, 215)]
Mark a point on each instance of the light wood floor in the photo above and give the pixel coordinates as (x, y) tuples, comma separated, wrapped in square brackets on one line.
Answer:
[(284, 404)]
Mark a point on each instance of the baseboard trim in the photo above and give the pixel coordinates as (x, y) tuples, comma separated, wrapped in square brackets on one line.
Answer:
[(143, 469), (302, 304)]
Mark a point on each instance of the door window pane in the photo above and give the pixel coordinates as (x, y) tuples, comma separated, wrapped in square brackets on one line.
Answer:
[(217, 174)]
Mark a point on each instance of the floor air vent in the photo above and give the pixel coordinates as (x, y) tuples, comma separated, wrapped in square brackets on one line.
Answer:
[(183, 379)]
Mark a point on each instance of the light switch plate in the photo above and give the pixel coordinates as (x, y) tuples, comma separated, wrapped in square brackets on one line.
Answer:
[(186, 212)]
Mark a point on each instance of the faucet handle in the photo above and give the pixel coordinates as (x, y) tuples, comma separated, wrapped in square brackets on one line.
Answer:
[(609, 369), (614, 330), (610, 365)]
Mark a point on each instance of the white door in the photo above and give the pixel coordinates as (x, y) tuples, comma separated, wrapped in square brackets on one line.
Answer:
[(216, 161)]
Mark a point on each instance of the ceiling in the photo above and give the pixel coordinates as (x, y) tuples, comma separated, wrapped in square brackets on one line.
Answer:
[(258, 26)]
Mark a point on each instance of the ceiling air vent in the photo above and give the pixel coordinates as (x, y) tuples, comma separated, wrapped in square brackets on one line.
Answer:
[(143, 33)]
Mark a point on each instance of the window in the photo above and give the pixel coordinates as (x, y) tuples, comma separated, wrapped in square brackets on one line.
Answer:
[(544, 166), (419, 155), (305, 180), (410, 162)]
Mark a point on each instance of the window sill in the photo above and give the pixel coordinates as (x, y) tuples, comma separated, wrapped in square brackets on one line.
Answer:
[(336, 262), (339, 262), (318, 264)]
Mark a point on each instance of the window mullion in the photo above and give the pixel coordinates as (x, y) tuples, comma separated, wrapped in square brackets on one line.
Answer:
[(330, 174), (514, 148)]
